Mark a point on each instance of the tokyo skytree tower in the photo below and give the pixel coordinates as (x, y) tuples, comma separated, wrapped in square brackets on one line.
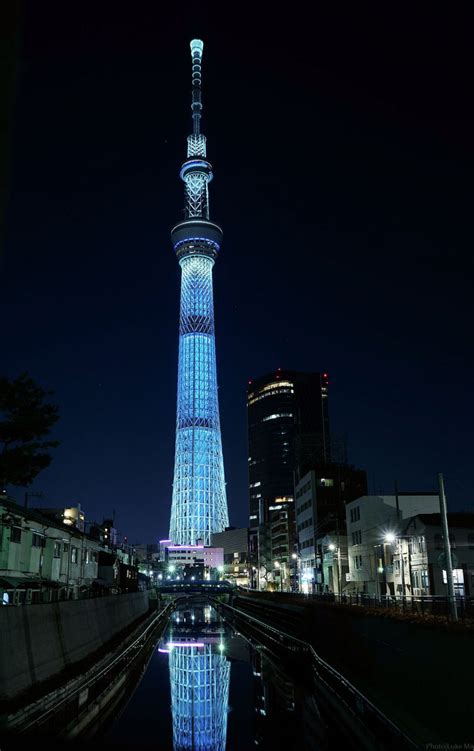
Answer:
[(199, 505)]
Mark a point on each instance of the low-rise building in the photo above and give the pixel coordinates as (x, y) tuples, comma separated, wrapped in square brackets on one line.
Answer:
[(235, 544), (418, 561), (368, 521), (204, 560), (42, 558)]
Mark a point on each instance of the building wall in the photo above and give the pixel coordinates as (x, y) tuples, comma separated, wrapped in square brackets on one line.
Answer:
[(39, 551), (305, 501), (321, 496), (232, 540), (423, 555), (40, 641), (368, 519)]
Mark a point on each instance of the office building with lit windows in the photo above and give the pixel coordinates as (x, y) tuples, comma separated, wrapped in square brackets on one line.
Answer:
[(288, 426)]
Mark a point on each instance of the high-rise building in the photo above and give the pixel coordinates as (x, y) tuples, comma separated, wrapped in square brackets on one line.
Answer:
[(199, 505), (288, 426)]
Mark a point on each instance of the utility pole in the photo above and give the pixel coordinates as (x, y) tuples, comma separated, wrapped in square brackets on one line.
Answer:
[(400, 549), (447, 550)]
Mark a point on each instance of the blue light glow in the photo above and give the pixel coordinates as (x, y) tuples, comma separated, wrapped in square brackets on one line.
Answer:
[(199, 504), (199, 696)]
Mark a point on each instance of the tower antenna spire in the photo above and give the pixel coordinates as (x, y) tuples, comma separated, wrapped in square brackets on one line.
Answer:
[(197, 46)]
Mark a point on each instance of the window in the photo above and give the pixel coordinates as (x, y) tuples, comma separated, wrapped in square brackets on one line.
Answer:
[(355, 514), (438, 540), (87, 556), (74, 554), (425, 581), (15, 534), (357, 561), (357, 537), (415, 578), (66, 547), (325, 482), (38, 541), (57, 550), (277, 416)]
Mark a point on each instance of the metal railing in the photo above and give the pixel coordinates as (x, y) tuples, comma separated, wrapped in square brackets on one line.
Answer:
[(67, 708), (422, 604), (344, 695)]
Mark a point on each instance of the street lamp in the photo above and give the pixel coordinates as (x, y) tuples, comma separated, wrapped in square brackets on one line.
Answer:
[(391, 537), (296, 558), (332, 548), (277, 566)]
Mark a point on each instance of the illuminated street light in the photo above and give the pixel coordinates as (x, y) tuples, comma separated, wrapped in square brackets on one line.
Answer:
[(332, 547), (390, 538), (171, 568)]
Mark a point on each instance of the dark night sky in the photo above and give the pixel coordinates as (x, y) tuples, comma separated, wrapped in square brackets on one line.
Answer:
[(342, 148)]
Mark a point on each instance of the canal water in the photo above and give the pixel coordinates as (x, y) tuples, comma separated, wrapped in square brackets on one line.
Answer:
[(208, 688)]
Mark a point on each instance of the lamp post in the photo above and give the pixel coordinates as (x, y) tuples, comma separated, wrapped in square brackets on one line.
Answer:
[(390, 537), (277, 566), (335, 548), (296, 559)]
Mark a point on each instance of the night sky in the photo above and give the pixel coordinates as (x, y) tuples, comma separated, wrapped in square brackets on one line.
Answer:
[(343, 155)]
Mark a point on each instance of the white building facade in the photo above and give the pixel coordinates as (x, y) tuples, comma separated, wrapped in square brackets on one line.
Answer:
[(372, 561)]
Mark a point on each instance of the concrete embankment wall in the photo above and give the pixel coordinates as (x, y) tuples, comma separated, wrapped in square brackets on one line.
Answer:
[(39, 641)]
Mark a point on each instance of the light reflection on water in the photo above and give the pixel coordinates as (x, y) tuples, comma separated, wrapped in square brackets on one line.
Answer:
[(199, 680), (207, 688)]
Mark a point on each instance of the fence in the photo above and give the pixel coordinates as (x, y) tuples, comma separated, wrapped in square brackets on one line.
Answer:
[(364, 721), (426, 604)]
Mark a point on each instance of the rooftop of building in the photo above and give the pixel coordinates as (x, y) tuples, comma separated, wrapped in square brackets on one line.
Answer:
[(32, 514), (456, 519), (282, 374)]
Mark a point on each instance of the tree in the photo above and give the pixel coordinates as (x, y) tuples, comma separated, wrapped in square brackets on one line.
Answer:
[(25, 418)]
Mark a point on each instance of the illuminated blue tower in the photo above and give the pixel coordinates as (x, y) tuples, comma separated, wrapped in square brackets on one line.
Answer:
[(199, 505)]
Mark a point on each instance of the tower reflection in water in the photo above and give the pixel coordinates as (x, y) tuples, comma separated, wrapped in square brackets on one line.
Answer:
[(199, 679)]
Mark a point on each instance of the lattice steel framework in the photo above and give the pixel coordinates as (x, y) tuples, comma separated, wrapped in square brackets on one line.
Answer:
[(199, 681), (199, 504)]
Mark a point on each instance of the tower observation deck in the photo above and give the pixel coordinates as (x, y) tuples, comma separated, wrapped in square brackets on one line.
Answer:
[(199, 505)]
